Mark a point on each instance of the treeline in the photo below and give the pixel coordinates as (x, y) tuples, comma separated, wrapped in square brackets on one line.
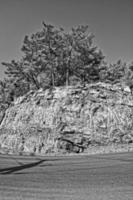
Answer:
[(52, 57)]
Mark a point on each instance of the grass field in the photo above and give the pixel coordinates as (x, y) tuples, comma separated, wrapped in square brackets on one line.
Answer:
[(94, 177)]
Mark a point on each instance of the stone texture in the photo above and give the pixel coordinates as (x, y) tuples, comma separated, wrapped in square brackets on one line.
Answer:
[(68, 119)]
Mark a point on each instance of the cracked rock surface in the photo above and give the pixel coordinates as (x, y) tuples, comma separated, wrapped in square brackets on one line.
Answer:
[(68, 119)]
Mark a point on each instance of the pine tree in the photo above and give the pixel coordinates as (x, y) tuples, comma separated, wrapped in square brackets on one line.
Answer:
[(52, 57), (89, 56)]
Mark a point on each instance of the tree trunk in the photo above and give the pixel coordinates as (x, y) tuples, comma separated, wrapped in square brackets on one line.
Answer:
[(67, 77), (35, 81), (52, 79)]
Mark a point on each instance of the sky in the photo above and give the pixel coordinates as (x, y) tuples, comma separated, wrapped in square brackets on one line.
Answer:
[(111, 21)]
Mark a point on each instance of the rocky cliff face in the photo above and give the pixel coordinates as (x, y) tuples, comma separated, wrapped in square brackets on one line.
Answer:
[(68, 119)]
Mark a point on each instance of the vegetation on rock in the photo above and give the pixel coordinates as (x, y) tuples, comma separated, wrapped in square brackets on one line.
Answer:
[(63, 96)]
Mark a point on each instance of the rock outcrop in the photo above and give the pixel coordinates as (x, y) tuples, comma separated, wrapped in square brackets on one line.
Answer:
[(68, 119)]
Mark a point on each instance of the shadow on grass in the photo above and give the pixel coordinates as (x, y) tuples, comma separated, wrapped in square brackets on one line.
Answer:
[(11, 170)]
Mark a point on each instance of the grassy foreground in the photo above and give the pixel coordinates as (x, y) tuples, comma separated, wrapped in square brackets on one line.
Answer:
[(85, 177)]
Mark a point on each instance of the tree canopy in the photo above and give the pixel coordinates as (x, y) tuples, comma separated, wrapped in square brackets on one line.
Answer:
[(53, 57)]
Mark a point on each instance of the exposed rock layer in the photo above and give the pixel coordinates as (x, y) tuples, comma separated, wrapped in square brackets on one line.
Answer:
[(68, 119)]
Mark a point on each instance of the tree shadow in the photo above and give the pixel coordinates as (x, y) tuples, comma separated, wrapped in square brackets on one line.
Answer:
[(11, 170)]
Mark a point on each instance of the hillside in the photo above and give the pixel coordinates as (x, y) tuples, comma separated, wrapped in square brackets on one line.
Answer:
[(68, 119)]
